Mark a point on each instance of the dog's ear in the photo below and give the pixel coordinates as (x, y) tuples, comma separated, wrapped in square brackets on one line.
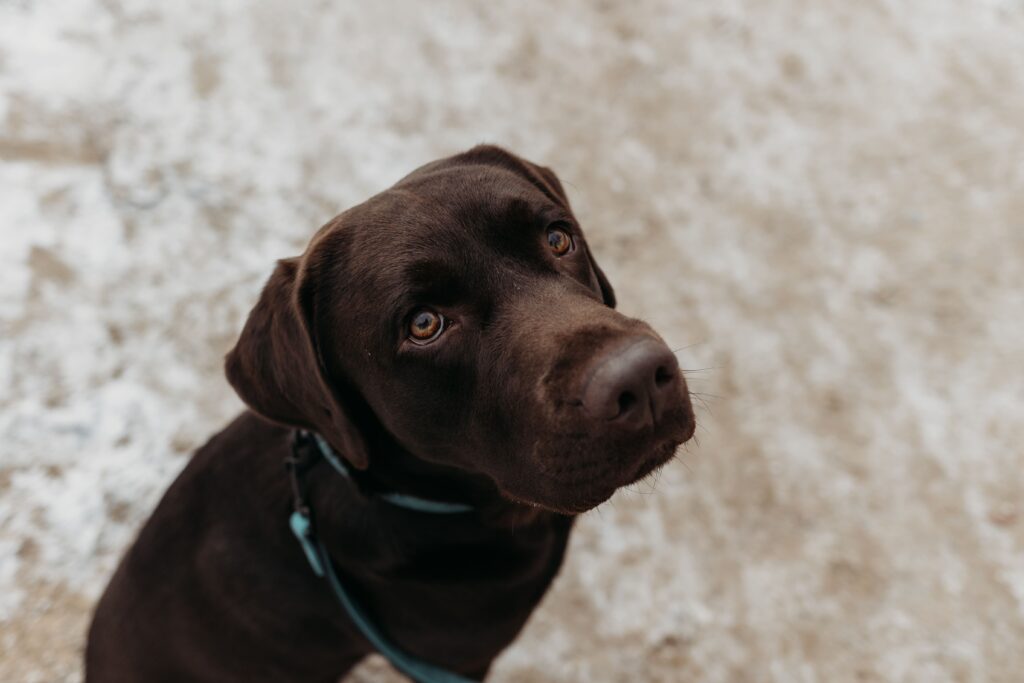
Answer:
[(607, 293), (547, 182), (542, 177), (277, 369), (552, 182), (555, 185)]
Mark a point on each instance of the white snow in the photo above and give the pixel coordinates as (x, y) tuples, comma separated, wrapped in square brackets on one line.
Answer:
[(823, 199)]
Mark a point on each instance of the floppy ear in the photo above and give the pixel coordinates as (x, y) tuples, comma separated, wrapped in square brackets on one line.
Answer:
[(607, 293), (555, 185), (551, 180), (547, 182), (277, 370)]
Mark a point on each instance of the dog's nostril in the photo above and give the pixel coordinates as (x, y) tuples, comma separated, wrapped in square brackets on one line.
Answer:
[(663, 376), (632, 384), (627, 399)]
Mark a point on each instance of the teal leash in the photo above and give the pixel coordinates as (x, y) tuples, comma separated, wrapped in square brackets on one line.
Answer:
[(301, 524)]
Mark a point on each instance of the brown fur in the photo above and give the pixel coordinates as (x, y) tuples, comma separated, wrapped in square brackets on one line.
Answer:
[(216, 588)]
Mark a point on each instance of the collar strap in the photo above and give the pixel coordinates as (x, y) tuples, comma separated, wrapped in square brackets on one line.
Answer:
[(402, 500), (413, 667), (301, 524)]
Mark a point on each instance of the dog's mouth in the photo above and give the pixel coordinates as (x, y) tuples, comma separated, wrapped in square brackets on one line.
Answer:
[(589, 479), (610, 410)]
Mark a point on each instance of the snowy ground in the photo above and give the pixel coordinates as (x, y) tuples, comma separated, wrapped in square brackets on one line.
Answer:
[(823, 201)]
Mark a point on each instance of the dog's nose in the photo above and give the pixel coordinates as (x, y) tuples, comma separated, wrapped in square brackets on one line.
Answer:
[(633, 385)]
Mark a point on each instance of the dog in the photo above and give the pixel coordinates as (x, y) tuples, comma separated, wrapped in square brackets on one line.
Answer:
[(436, 388)]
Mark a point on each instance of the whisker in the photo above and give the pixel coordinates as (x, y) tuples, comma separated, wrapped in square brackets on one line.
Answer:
[(707, 408), (707, 369), (689, 346), (651, 481), (707, 395), (682, 462)]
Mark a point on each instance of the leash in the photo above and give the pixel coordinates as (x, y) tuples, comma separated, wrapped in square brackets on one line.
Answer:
[(301, 524)]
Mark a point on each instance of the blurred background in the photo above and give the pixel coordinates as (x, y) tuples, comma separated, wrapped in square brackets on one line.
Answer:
[(821, 202)]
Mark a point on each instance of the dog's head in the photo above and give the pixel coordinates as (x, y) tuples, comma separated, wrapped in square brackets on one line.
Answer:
[(461, 313)]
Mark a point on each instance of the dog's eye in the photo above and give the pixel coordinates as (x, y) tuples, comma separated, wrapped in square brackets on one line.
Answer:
[(426, 325), (559, 241)]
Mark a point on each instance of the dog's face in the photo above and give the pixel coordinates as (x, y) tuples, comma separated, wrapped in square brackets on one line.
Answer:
[(462, 312)]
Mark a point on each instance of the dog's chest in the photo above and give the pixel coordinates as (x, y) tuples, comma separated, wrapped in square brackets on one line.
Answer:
[(453, 600)]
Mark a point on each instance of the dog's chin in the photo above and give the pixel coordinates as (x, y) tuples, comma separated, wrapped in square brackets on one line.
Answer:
[(588, 492)]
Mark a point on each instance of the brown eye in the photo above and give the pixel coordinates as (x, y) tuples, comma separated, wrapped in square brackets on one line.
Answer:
[(426, 325), (559, 241)]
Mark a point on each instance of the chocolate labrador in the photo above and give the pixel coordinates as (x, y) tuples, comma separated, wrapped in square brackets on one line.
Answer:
[(444, 375)]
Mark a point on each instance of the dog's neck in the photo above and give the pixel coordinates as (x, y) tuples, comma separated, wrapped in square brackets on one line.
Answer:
[(394, 470)]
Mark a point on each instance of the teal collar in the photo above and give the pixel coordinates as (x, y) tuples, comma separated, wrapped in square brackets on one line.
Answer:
[(401, 500), (301, 524)]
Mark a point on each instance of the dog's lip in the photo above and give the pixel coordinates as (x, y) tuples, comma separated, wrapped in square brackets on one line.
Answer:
[(598, 489), (600, 478), (660, 458)]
